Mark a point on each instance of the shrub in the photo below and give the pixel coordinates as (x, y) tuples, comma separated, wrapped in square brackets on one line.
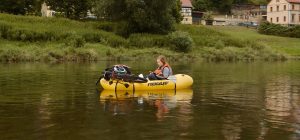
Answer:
[(7, 32), (93, 37), (86, 55), (278, 30), (234, 42), (254, 45), (106, 38), (116, 41), (219, 44), (208, 16), (106, 26), (75, 41), (180, 41), (147, 40), (294, 31), (109, 52), (4, 30), (123, 29)]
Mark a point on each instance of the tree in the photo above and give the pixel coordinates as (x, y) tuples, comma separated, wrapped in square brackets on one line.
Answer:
[(20, 6), (13, 7), (201, 5), (176, 12), (33, 6), (110, 9), (151, 16), (223, 6)]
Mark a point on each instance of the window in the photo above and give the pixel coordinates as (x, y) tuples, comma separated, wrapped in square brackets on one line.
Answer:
[(284, 7), (277, 8), (277, 0), (284, 18), (271, 9), (299, 17), (186, 11), (293, 7), (271, 20), (293, 17), (277, 19)]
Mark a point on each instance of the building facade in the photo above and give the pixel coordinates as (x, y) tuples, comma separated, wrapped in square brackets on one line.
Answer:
[(250, 12), (186, 12), (46, 11), (284, 12)]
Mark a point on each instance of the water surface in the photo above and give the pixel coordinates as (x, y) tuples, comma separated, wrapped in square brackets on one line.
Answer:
[(230, 101)]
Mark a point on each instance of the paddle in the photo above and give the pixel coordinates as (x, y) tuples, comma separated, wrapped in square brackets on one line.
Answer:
[(99, 79)]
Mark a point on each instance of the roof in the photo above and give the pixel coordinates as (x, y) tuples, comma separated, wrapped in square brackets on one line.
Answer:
[(293, 1), (187, 3)]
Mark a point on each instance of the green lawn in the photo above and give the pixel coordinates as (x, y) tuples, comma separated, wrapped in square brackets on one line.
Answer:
[(27, 38), (290, 46), (58, 51)]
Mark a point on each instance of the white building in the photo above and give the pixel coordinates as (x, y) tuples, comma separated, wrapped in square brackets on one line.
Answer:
[(46, 11), (284, 12), (186, 12)]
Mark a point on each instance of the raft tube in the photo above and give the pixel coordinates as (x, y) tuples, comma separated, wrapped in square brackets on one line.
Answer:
[(178, 81)]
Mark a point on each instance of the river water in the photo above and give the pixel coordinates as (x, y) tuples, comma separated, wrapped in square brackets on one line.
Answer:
[(259, 100)]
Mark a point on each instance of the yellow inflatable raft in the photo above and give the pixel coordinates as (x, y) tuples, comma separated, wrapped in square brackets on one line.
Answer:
[(178, 81)]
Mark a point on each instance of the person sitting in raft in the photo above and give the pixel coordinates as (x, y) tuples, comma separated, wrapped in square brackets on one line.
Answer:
[(163, 71)]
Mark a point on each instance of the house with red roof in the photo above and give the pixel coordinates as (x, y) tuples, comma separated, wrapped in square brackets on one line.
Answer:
[(284, 12), (186, 11)]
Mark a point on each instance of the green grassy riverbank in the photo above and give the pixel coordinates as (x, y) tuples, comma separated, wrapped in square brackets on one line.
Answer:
[(26, 38)]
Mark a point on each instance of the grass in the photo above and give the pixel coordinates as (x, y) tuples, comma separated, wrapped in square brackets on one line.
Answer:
[(216, 43), (54, 51), (286, 45), (42, 24), (57, 39)]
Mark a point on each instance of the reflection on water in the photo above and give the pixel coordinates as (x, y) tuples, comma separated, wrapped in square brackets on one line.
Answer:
[(282, 104), (278, 99), (232, 127), (124, 102)]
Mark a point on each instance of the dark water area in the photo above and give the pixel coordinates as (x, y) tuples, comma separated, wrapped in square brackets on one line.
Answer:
[(259, 100)]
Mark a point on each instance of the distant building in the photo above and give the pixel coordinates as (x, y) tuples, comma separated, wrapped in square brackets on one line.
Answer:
[(284, 12), (186, 12), (46, 11), (249, 10), (242, 14), (197, 16), (90, 15)]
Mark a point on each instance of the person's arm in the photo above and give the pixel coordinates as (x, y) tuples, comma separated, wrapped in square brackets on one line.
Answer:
[(166, 72)]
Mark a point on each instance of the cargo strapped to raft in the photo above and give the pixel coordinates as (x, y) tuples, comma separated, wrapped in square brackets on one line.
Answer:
[(122, 72)]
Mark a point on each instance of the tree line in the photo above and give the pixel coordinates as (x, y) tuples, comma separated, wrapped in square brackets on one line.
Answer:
[(76, 9), (20, 6), (151, 16), (134, 16), (73, 9)]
